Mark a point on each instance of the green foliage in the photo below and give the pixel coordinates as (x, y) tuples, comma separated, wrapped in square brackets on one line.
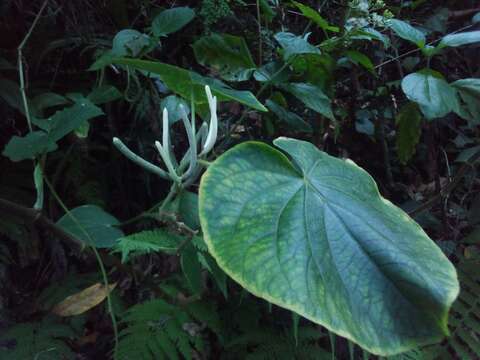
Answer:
[(322, 219), (146, 242), (227, 54), (409, 124), (158, 330), (271, 344), (92, 225), (171, 20), (42, 341)]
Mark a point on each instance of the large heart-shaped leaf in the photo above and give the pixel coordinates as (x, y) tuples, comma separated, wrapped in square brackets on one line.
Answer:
[(313, 235)]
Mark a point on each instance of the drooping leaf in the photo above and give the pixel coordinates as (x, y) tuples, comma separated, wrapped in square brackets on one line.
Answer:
[(431, 92), (295, 45), (83, 301), (46, 100), (313, 235), (273, 72), (313, 15), (29, 146), (92, 225), (172, 20), (464, 38), (469, 92), (293, 121), (407, 32), (192, 269), (409, 124), (188, 209), (227, 54), (186, 83), (360, 59), (312, 96), (104, 94)]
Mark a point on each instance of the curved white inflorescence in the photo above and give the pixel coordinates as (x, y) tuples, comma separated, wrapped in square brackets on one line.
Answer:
[(189, 165)]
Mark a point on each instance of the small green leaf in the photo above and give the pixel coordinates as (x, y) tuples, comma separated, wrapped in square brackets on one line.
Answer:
[(227, 54), (431, 92), (46, 100), (192, 269), (29, 146), (92, 225), (293, 121), (129, 42), (188, 209), (295, 45), (469, 92), (360, 59), (104, 94), (312, 96), (409, 124), (172, 104), (171, 20), (146, 242), (187, 83), (273, 72), (313, 15), (312, 234), (460, 39), (407, 32)]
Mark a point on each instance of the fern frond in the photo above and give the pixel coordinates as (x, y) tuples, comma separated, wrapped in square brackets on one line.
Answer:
[(157, 330), (40, 341), (146, 242)]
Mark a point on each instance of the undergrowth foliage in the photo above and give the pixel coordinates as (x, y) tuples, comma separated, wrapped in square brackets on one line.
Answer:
[(138, 179)]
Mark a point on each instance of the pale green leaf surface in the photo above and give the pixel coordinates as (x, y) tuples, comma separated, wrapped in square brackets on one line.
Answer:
[(295, 45), (129, 42), (92, 225), (315, 236), (469, 92), (172, 20), (407, 32), (463, 38), (434, 95)]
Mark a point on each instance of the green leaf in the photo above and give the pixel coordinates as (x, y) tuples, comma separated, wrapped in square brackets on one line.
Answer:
[(431, 92), (92, 225), (313, 235), (469, 92), (312, 96), (46, 100), (409, 124), (188, 209), (29, 146), (172, 104), (192, 269), (104, 94), (129, 42), (273, 72), (460, 39), (147, 242), (360, 59), (227, 54), (187, 83), (407, 32), (313, 15), (295, 45), (172, 20), (10, 92), (294, 121)]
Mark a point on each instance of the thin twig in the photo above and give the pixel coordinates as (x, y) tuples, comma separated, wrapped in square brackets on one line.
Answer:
[(20, 65)]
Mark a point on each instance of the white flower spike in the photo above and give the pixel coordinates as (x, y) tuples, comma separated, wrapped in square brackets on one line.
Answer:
[(213, 128)]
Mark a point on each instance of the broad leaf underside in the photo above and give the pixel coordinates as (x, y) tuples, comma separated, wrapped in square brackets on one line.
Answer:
[(315, 236)]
